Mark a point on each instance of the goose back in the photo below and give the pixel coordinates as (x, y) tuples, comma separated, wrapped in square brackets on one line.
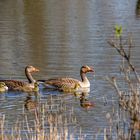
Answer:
[(62, 82), (13, 83)]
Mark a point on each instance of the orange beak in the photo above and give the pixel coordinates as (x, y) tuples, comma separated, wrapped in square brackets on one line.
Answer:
[(36, 70), (91, 69)]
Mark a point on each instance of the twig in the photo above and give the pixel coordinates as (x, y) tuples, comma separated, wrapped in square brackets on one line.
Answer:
[(112, 81), (122, 52)]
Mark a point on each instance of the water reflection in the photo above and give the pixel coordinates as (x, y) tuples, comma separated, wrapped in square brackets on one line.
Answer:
[(34, 18), (85, 102), (31, 104), (138, 8), (82, 96)]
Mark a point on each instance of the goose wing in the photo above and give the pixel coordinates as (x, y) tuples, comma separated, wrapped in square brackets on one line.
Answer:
[(13, 84), (62, 82)]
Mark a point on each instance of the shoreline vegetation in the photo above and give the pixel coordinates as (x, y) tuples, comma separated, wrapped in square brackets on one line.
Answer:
[(128, 121), (50, 122)]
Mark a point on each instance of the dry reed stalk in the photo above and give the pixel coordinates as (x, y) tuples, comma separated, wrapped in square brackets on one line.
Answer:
[(48, 125), (131, 102), (2, 121)]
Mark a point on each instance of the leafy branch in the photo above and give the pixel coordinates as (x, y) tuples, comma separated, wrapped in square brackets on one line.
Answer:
[(120, 49)]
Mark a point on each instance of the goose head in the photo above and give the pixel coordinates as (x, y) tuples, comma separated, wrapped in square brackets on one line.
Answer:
[(31, 69), (3, 86), (28, 71), (85, 69)]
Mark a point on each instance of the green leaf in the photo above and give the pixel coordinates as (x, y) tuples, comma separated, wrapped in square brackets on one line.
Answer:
[(118, 30)]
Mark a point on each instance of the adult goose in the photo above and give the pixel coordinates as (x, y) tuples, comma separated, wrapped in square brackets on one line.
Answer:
[(59, 83), (21, 85)]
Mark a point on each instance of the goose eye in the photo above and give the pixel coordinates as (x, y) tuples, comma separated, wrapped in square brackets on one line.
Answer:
[(84, 70), (84, 67)]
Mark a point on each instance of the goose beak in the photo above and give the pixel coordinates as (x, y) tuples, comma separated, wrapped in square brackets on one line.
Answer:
[(91, 69), (36, 70)]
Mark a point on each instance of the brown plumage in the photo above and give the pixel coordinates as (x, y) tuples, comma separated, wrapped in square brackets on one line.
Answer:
[(21, 85), (70, 82)]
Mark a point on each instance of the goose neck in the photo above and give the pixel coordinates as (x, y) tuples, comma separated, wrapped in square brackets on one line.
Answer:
[(85, 82), (83, 77), (29, 77)]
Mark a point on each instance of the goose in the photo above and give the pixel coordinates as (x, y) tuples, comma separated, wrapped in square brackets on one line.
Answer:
[(3, 87), (21, 85), (59, 83)]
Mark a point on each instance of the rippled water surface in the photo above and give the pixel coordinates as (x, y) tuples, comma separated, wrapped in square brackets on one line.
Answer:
[(58, 37)]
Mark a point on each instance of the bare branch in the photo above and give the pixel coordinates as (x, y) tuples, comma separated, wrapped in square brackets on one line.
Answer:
[(112, 81), (130, 46), (122, 52)]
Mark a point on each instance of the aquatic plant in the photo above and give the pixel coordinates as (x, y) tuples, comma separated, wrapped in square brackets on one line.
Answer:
[(118, 30), (128, 101), (50, 122)]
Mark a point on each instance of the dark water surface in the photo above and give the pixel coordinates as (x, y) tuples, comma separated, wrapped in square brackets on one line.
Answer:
[(58, 37)]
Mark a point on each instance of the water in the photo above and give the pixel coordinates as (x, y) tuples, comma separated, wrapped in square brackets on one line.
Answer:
[(58, 37)]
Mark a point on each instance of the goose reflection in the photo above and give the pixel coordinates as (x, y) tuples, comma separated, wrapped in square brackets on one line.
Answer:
[(84, 102), (30, 103)]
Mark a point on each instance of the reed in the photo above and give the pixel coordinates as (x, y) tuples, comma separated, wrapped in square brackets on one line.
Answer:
[(48, 124), (129, 101)]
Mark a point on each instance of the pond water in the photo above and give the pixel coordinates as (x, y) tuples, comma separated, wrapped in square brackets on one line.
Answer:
[(58, 37)]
